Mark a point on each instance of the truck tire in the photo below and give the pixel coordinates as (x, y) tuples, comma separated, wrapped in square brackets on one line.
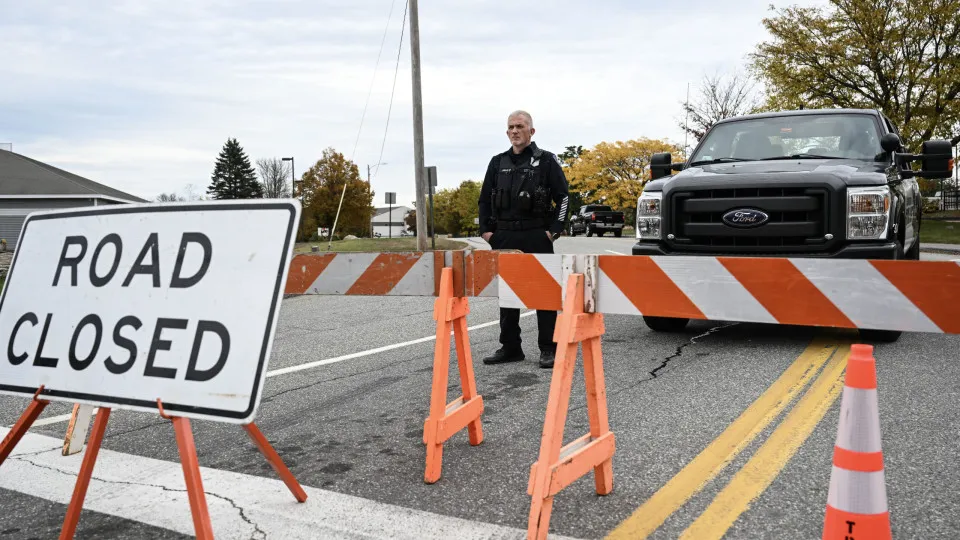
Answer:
[(618, 233), (887, 336), (914, 253), (880, 336), (665, 324)]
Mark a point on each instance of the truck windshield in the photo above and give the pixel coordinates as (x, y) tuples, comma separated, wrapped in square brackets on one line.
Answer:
[(598, 209), (836, 136)]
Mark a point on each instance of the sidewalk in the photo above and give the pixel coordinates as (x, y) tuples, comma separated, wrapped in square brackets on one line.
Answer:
[(940, 248)]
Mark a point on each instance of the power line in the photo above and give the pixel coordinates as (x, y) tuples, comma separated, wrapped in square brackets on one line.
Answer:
[(394, 89), (336, 218), (370, 91)]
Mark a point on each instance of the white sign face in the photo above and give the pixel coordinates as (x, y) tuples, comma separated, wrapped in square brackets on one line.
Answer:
[(122, 305)]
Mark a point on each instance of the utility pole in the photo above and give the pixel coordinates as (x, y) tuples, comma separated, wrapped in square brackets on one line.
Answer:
[(418, 128)]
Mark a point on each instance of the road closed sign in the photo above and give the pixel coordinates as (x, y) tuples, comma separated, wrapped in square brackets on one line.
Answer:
[(120, 306)]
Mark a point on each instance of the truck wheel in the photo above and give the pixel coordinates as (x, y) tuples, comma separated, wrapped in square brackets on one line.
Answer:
[(665, 324), (880, 336), (618, 233), (914, 253)]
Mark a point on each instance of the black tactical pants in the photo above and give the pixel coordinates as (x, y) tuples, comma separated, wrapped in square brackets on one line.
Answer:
[(528, 241)]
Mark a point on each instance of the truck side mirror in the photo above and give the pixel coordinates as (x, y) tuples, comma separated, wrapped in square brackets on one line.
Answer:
[(660, 165), (936, 159), (890, 142)]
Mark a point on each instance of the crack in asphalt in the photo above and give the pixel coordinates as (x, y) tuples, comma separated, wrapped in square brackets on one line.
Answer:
[(654, 372), (679, 353), (258, 533), (37, 453)]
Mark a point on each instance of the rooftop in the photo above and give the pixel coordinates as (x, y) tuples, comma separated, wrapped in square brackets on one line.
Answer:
[(23, 176)]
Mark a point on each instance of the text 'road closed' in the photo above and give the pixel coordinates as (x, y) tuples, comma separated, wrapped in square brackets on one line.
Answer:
[(28, 338)]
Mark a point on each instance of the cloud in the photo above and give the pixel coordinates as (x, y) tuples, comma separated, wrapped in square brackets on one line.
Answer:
[(143, 95)]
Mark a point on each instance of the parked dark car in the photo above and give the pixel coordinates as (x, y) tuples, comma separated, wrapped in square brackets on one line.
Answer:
[(596, 219), (810, 183)]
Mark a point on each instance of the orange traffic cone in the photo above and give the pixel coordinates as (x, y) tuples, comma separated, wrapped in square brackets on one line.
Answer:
[(857, 501)]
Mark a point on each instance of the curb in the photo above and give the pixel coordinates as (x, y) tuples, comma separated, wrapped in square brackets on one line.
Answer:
[(949, 249), (941, 251)]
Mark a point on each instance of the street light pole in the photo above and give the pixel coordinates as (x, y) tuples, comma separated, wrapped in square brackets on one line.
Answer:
[(293, 179)]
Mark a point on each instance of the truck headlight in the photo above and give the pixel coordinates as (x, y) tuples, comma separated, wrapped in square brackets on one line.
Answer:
[(648, 216), (868, 213)]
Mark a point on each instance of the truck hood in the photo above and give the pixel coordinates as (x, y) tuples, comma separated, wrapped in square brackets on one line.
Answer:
[(851, 172)]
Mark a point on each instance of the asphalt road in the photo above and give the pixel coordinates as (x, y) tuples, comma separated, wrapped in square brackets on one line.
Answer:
[(353, 428)]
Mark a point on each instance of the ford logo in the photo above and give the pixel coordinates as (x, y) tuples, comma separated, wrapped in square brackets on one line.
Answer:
[(745, 217)]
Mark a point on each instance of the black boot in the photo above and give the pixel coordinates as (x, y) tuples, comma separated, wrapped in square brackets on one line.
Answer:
[(546, 359), (505, 355)]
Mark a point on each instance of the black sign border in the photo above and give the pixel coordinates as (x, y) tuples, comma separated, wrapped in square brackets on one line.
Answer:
[(167, 207)]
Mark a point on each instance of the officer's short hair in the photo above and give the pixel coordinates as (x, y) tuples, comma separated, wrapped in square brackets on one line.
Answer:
[(522, 113)]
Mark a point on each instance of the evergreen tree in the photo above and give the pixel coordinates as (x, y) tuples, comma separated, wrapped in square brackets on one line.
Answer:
[(233, 176)]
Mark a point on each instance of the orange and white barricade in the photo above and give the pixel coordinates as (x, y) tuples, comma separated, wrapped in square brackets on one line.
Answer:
[(911, 296)]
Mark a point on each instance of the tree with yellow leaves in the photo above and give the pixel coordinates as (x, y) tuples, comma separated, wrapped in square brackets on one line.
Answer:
[(894, 55), (321, 188), (614, 173)]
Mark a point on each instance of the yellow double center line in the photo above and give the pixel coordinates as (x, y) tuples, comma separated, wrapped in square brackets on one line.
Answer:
[(757, 474)]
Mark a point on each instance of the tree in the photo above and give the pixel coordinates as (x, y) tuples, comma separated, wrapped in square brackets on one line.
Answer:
[(456, 209), (169, 197), (322, 187), (233, 176), (719, 99), (897, 56), (615, 173), (191, 193), (411, 221), (570, 154), (273, 176), (567, 158)]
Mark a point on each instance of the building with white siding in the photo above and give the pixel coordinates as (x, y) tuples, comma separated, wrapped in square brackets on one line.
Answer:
[(390, 223), (27, 185)]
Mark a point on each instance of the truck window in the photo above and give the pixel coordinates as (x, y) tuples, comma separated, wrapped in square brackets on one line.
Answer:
[(852, 136)]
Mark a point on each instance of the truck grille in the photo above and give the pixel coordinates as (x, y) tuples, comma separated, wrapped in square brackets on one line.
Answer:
[(798, 221)]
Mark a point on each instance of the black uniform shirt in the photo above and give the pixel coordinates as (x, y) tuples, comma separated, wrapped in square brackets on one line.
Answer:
[(554, 176)]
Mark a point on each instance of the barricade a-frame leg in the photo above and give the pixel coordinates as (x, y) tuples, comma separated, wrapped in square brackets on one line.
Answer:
[(22, 425), (447, 419), (556, 467)]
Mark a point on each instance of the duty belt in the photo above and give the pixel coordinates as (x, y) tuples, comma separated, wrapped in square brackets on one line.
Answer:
[(521, 224)]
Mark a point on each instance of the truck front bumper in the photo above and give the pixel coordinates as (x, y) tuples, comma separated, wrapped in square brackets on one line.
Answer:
[(854, 251)]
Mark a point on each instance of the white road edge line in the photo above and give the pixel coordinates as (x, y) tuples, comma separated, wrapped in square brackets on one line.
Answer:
[(56, 419), (615, 252), (151, 491), (317, 363)]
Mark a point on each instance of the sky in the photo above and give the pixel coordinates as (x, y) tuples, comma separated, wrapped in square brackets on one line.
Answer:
[(143, 94)]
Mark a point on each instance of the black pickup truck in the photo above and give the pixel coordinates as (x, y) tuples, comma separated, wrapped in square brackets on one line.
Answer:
[(808, 183), (597, 219)]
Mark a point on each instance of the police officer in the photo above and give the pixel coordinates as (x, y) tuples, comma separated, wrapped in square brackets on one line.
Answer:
[(523, 206)]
